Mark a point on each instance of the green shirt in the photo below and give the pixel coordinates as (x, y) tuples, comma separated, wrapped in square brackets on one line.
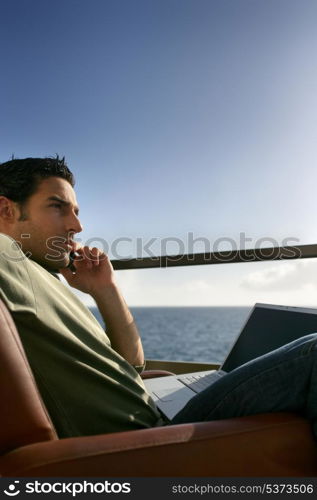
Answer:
[(87, 387)]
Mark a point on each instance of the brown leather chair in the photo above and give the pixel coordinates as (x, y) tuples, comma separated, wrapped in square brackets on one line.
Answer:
[(262, 445)]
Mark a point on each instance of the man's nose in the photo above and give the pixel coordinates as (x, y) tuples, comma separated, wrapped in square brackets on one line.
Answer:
[(74, 224)]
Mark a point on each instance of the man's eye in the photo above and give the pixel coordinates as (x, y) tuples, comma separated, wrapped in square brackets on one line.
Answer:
[(56, 205)]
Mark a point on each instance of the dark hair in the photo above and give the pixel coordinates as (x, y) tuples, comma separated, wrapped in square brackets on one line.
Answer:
[(19, 178)]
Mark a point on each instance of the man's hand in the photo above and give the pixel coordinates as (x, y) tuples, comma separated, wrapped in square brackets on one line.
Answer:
[(94, 271), (95, 275)]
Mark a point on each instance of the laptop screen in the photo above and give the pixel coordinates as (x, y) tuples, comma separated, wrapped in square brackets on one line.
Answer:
[(267, 328)]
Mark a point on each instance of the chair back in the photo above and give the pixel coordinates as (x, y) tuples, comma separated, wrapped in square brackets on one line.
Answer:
[(23, 416)]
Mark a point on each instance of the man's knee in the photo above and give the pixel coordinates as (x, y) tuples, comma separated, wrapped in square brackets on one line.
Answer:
[(306, 343)]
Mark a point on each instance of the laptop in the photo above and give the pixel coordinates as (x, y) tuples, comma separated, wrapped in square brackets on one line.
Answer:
[(266, 328)]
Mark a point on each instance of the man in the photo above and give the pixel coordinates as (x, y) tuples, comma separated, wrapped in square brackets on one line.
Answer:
[(89, 379), (86, 378)]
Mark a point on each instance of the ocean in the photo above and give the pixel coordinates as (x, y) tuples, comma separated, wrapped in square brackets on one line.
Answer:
[(202, 334)]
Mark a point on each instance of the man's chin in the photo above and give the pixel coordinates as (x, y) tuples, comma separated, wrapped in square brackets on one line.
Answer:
[(56, 264), (63, 264)]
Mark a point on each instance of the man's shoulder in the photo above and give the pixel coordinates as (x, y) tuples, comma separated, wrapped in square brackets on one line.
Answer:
[(12, 259), (15, 283), (10, 249)]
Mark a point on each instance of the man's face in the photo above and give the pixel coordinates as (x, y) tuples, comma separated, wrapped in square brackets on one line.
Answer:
[(51, 222)]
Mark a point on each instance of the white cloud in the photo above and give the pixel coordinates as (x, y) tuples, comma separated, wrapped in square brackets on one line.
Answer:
[(284, 276), (157, 287)]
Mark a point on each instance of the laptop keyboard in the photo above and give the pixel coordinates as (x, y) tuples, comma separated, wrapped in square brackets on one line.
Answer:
[(199, 382)]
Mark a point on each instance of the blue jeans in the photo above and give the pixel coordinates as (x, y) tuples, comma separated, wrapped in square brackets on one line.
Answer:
[(282, 380)]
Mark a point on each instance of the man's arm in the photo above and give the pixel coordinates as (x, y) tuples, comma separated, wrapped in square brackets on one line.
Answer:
[(95, 275), (121, 328)]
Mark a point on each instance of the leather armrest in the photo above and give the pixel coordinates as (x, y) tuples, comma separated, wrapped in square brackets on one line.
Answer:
[(278, 444)]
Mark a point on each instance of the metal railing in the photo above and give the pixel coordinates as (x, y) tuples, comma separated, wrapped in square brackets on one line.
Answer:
[(225, 257)]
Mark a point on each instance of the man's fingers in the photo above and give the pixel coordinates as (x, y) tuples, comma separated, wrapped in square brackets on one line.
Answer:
[(95, 253), (92, 256)]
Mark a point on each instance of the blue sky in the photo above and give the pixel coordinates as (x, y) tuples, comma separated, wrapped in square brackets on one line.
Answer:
[(177, 117)]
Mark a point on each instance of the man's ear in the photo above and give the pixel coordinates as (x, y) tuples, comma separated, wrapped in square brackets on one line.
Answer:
[(8, 209)]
